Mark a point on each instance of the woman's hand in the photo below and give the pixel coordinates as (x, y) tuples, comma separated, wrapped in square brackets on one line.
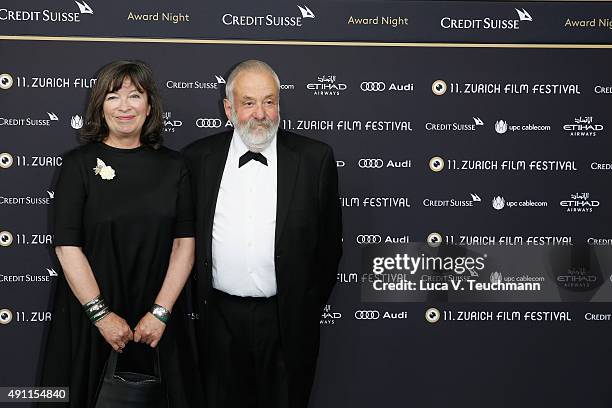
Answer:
[(115, 331), (149, 330)]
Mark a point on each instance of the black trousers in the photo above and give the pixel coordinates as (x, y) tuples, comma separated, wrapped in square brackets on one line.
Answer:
[(245, 368)]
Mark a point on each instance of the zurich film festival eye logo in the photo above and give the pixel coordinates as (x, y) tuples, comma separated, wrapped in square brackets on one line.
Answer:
[(6, 81), (434, 240), (436, 164), (432, 315), (439, 87), (6, 160), (6, 316), (6, 238)]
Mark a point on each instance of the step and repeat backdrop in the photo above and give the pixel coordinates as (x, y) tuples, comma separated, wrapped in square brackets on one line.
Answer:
[(469, 131)]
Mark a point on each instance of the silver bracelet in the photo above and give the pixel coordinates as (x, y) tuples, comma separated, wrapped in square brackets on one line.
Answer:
[(92, 302), (96, 309), (161, 313)]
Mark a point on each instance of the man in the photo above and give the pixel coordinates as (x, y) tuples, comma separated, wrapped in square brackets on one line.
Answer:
[(268, 243)]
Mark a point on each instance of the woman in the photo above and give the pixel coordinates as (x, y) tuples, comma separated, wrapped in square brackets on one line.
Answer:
[(123, 234)]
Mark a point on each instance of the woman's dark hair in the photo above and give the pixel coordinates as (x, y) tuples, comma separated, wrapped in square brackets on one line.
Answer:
[(110, 79)]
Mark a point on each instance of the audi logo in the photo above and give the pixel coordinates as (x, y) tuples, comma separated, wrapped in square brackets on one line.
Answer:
[(373, 86), (208, 123), (371, 163), (367, 314), (369, 239)]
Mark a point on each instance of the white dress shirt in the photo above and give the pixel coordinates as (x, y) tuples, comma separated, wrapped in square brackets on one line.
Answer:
[(244, 225)]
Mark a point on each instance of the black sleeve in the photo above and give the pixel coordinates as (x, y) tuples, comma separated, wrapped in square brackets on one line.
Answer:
[(329, 248), (70, 196), (183, 226)]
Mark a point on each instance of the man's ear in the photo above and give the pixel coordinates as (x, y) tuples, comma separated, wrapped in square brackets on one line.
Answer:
[(228, 108)]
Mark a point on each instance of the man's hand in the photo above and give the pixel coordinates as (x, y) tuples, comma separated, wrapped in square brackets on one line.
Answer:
[(115, 331), (149, 330)]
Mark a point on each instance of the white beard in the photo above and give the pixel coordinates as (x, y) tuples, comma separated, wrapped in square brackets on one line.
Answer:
[(255, 138)]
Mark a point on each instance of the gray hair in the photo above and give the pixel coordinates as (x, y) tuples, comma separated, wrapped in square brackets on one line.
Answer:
[(248, 65)]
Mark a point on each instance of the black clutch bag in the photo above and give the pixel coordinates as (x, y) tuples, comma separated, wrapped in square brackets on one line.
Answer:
[(124, 389)]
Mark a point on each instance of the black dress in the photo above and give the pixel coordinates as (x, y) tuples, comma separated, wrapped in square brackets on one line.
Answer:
[(124, 207)]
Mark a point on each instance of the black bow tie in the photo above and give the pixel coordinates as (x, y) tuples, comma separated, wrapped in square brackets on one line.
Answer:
[(248, 156)]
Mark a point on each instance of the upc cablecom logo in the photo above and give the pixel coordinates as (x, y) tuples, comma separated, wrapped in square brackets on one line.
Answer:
[(69, 13)]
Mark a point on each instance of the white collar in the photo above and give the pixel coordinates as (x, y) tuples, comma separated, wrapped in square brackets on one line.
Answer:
[(238, 148)]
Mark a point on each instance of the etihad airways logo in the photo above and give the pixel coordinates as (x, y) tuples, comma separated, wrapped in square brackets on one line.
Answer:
[(46, 15), (579, 203), (583, 126), (329, 316), (487, 23), (327, 85), (269, 20), (170, 124)]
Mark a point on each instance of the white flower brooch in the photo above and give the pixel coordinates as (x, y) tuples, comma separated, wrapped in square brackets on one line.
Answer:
[(104, 171)]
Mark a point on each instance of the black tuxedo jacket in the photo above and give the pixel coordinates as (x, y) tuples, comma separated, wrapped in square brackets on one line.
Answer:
[(308, 240)]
